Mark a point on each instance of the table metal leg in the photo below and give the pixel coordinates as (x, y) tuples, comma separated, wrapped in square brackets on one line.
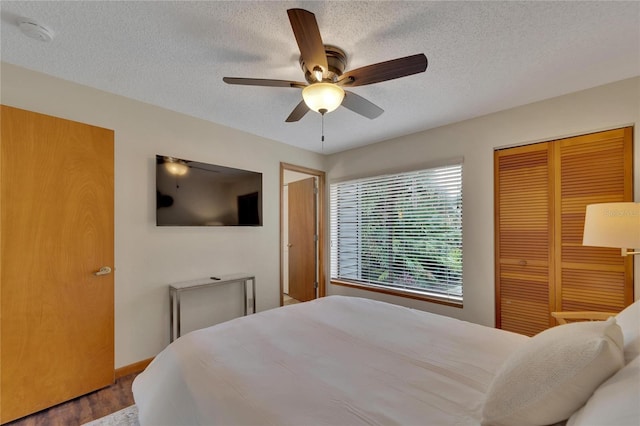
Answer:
[(246, 300), (178, 314), (171, 316), (253, 294)]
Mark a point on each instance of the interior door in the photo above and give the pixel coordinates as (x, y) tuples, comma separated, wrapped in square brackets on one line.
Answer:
[(523, 202), (302, 244), (56, 230), (593, 168)]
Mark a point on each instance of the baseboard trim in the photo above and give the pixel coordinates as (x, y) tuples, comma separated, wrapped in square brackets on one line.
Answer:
[(136, 367)]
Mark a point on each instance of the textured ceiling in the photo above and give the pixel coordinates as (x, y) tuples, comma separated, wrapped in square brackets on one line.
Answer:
[(483, 57)]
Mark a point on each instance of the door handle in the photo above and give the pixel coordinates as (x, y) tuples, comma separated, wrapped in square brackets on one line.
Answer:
[(105, 270)]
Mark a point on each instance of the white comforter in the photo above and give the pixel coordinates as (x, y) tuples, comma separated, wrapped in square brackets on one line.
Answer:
[(333, 361)]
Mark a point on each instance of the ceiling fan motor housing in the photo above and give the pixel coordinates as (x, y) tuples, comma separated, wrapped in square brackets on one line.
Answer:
[(336, 60)]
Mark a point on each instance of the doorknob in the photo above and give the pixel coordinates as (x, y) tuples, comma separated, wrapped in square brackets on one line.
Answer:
[(105, 270), (289, 245)]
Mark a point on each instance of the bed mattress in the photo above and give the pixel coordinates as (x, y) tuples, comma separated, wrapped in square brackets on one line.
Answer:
[(332, 361)]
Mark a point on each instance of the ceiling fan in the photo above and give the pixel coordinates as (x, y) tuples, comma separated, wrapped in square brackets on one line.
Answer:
[(323, 67)]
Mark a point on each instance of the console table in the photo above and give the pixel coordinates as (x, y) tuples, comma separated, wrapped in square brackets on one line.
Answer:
[(177, 288)]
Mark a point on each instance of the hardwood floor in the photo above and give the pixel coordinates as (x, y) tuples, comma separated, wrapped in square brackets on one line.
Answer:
[(85, 408)]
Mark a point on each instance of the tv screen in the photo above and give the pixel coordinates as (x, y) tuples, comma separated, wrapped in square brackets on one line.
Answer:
[(190, 193)]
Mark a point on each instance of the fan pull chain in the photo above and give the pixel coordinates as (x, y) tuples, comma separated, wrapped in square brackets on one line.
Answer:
[(322, 112), (322, 132)]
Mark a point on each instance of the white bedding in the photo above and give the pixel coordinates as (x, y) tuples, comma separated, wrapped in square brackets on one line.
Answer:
[(333, 361)]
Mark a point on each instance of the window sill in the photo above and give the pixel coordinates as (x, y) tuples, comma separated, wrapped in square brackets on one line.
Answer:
[(399, 293)]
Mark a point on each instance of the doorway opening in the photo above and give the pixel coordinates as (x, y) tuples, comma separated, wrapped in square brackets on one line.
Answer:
[(302, 225)]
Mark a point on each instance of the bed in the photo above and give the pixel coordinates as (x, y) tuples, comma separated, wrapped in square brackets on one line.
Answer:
[(352, 361)]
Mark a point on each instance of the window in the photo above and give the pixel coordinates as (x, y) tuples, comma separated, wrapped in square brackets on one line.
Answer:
[(400, 233)]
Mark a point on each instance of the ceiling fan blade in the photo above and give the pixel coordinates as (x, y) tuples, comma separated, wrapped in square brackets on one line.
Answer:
[(263, 82), (384, 71), (298, 112), (305, 28), (360, 105)]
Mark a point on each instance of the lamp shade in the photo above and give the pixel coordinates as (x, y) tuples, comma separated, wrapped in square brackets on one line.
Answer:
[(323, 96), (612, 225), (175, 167)]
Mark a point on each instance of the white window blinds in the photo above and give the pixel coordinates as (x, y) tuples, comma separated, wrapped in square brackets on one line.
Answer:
[(400, 231)]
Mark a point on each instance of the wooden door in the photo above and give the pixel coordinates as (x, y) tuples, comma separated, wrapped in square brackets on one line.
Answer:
[(541, 194), (524, 235), (302, 244), (56, 230), (594, 168)]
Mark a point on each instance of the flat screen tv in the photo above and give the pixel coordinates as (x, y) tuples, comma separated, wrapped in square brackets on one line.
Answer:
[(190, 193)]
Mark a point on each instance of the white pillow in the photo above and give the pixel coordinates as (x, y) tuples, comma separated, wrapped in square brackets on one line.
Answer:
[(553, 374), (629, 322), (615, 402)]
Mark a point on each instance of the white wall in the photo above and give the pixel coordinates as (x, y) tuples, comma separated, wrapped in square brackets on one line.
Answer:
[(610, 106), (150, 257)]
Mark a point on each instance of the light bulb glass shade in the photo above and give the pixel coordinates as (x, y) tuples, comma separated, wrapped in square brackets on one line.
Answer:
[(612, 225), (327, 96), (176, 167)]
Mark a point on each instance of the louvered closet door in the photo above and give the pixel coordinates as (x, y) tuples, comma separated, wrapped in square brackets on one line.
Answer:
[(524, 284), (595, 168)]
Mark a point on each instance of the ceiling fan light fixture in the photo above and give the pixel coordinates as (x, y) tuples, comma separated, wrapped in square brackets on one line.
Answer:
[(323, 96), (175, 167), (323, 66)]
